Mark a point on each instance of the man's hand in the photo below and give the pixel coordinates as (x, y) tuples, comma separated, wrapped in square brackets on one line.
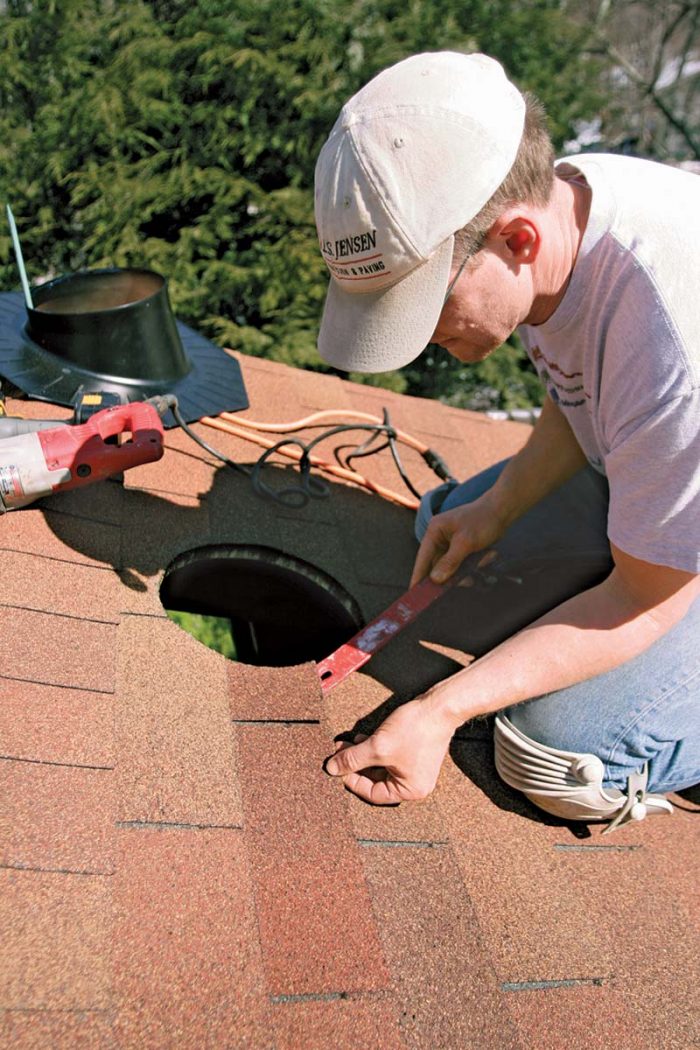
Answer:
[(454, 534), (550, 456), (401, 761)]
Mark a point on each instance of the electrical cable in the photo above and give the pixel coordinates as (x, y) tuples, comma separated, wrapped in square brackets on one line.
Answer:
[(316, 419), (397, 459), (369, 447), (327, 467), (205, 444), (375, 429), (357, 454), (366, 449), (432, 459), (332, 468), (310, 486), (296, 496)]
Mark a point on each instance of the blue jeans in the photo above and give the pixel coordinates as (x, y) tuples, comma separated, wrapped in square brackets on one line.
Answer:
[(646, 710)]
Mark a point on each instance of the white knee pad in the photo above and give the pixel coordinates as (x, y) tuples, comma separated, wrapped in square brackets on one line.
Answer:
[(569, 785)]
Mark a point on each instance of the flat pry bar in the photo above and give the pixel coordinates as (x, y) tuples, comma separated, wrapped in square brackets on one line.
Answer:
[(354, 654)]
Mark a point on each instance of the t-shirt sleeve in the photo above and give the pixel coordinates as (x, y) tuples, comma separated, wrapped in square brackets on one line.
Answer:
[(653, 470)]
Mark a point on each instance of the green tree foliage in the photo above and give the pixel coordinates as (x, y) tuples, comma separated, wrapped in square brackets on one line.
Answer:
[(212, 631), (505, 380), (182, 136)]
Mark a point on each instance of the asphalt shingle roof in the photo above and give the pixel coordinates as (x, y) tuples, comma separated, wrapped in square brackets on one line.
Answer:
[(177, 870)]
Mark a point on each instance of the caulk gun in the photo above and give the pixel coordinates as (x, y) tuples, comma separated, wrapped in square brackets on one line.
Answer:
[(39, 457)]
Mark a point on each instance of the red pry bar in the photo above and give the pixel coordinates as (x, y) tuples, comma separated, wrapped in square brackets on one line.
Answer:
[(355, 653)]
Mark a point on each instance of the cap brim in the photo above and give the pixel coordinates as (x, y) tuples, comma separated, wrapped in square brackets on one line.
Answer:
[(381, 331)]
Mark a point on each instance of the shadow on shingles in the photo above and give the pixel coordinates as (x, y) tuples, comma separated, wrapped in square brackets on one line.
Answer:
[(691, 795), (377, 537), (473, 756), (368, 533), (471, 751), (470, 621)]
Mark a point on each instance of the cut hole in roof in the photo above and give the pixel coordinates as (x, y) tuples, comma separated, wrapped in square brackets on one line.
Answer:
[(281, 610)]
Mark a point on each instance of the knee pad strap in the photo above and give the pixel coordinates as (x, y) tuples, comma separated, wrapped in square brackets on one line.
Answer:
[(567, 784)]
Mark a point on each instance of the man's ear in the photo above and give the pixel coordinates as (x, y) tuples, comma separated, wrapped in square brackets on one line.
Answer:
[(521, 237)]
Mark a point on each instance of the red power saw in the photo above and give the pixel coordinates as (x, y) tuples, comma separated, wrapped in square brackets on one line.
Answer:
[(43, 457)]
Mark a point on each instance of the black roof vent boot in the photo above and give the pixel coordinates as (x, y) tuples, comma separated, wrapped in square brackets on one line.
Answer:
[(113, 330)]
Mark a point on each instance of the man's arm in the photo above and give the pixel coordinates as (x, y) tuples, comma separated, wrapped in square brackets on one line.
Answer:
[(551, 456), (587, 635)]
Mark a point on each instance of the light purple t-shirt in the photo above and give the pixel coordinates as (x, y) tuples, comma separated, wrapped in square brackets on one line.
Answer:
[(621, 354)]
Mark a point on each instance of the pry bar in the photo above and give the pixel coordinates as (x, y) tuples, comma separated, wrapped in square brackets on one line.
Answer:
[(354, 654)]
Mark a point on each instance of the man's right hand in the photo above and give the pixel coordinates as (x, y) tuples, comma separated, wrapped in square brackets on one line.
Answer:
[(454, 534), (550, 456)]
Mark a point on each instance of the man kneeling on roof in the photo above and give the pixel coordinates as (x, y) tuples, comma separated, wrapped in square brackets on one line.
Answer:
[(443, 218)]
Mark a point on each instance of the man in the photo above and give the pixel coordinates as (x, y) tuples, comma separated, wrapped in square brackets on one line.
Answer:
[(442, 218)]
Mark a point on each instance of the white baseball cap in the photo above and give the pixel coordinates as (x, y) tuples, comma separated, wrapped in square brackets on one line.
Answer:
[(411, 159)]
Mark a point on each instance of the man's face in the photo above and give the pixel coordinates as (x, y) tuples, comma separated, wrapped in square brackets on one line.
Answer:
[(487, 303)]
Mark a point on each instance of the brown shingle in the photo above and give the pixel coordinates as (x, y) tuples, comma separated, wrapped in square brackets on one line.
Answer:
[(183, 523), (303, 917), (60, 536), (175, 753), (31, 581), (368, 1021), (36, 409), (184, 470), (276, 389), (185, 954), (559, 913), (313, 907), (597, 1017), (443, 978), (57, 650), (59, 818), (285, 693), (52, 724), (381, 545), (414, 415), (55, 931), (676, 849), (487, 441), (95, 503), (420, 823), (60, 1030)]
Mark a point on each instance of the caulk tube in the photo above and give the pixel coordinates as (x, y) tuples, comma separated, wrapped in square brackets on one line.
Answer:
[(24, 475)]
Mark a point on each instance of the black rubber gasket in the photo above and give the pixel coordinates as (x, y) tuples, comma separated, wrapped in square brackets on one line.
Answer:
[(283, 610)]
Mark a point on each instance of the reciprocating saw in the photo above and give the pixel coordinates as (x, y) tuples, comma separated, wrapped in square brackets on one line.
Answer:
[(38, 458)]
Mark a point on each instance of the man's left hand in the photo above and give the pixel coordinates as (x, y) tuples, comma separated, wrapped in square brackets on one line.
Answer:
[(401, 761)]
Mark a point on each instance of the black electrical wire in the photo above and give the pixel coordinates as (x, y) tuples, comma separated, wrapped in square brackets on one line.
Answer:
[(397, 459), (179, 418), (357, 454), (294, 496), (390, 443), (310, 486), (368, 447)]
